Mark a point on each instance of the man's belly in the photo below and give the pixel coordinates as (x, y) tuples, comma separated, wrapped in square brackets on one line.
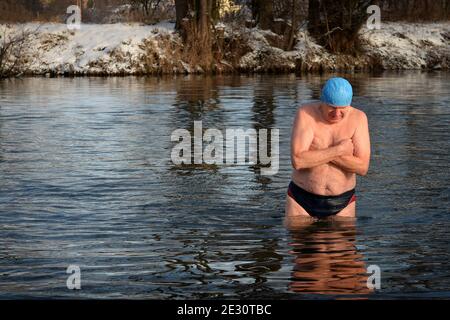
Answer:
[(324, 180)]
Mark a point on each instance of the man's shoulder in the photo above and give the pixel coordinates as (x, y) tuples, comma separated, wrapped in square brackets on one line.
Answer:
[(359, 115), (307, 110), (306, 114), (359, 119)]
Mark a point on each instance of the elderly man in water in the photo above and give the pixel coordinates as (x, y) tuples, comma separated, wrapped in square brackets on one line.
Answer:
[(330, 145)]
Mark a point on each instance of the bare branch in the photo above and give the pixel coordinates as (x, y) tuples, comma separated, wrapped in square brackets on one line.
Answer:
[(13, 51)]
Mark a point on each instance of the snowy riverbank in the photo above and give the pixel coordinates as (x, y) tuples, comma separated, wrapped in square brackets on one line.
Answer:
[(117, 49)]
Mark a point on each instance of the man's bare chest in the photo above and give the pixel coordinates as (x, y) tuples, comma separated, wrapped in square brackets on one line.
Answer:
[(325, 137)]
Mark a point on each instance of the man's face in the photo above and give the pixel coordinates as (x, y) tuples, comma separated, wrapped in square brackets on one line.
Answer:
[(332, 114)]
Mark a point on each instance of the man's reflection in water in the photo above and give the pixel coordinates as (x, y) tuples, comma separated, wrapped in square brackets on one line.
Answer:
[(326, 258)]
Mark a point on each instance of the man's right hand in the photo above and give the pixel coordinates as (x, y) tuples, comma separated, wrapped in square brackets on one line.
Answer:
[(346, 147)]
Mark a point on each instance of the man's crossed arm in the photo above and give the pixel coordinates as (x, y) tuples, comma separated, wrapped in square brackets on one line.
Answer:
[(351, 164), (351, 155), (358, 162)]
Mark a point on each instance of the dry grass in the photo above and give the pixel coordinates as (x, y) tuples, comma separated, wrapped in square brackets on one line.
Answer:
[(163, 55)]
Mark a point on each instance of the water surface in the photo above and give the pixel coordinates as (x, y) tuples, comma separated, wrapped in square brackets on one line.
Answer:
[(86, 179)]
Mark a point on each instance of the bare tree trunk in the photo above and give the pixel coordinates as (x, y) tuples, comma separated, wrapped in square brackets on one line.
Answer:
[(213, 9), (335, 24), (314, 16), (293, 29), (205, 33), (266, 15), (181, 8), (262, 10), (195, 31), (203, 21)]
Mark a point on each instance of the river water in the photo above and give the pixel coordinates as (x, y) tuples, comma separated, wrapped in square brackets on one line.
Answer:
[(86, 179)]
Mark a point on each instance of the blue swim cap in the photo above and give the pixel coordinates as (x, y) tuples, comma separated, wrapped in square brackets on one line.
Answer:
[(337, 92)]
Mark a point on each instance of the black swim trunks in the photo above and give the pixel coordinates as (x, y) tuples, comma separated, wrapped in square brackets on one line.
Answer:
[(320, 206)]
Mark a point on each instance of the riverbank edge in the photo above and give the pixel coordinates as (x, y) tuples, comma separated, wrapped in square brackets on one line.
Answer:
[(158, 50)]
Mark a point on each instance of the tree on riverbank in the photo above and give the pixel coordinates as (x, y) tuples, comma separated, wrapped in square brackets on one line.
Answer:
[(263, 13), (335, 24), (194, 22)]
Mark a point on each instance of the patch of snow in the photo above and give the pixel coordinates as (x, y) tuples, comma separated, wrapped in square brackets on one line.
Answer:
[(124, 48), (77, 50), (406, 46)]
